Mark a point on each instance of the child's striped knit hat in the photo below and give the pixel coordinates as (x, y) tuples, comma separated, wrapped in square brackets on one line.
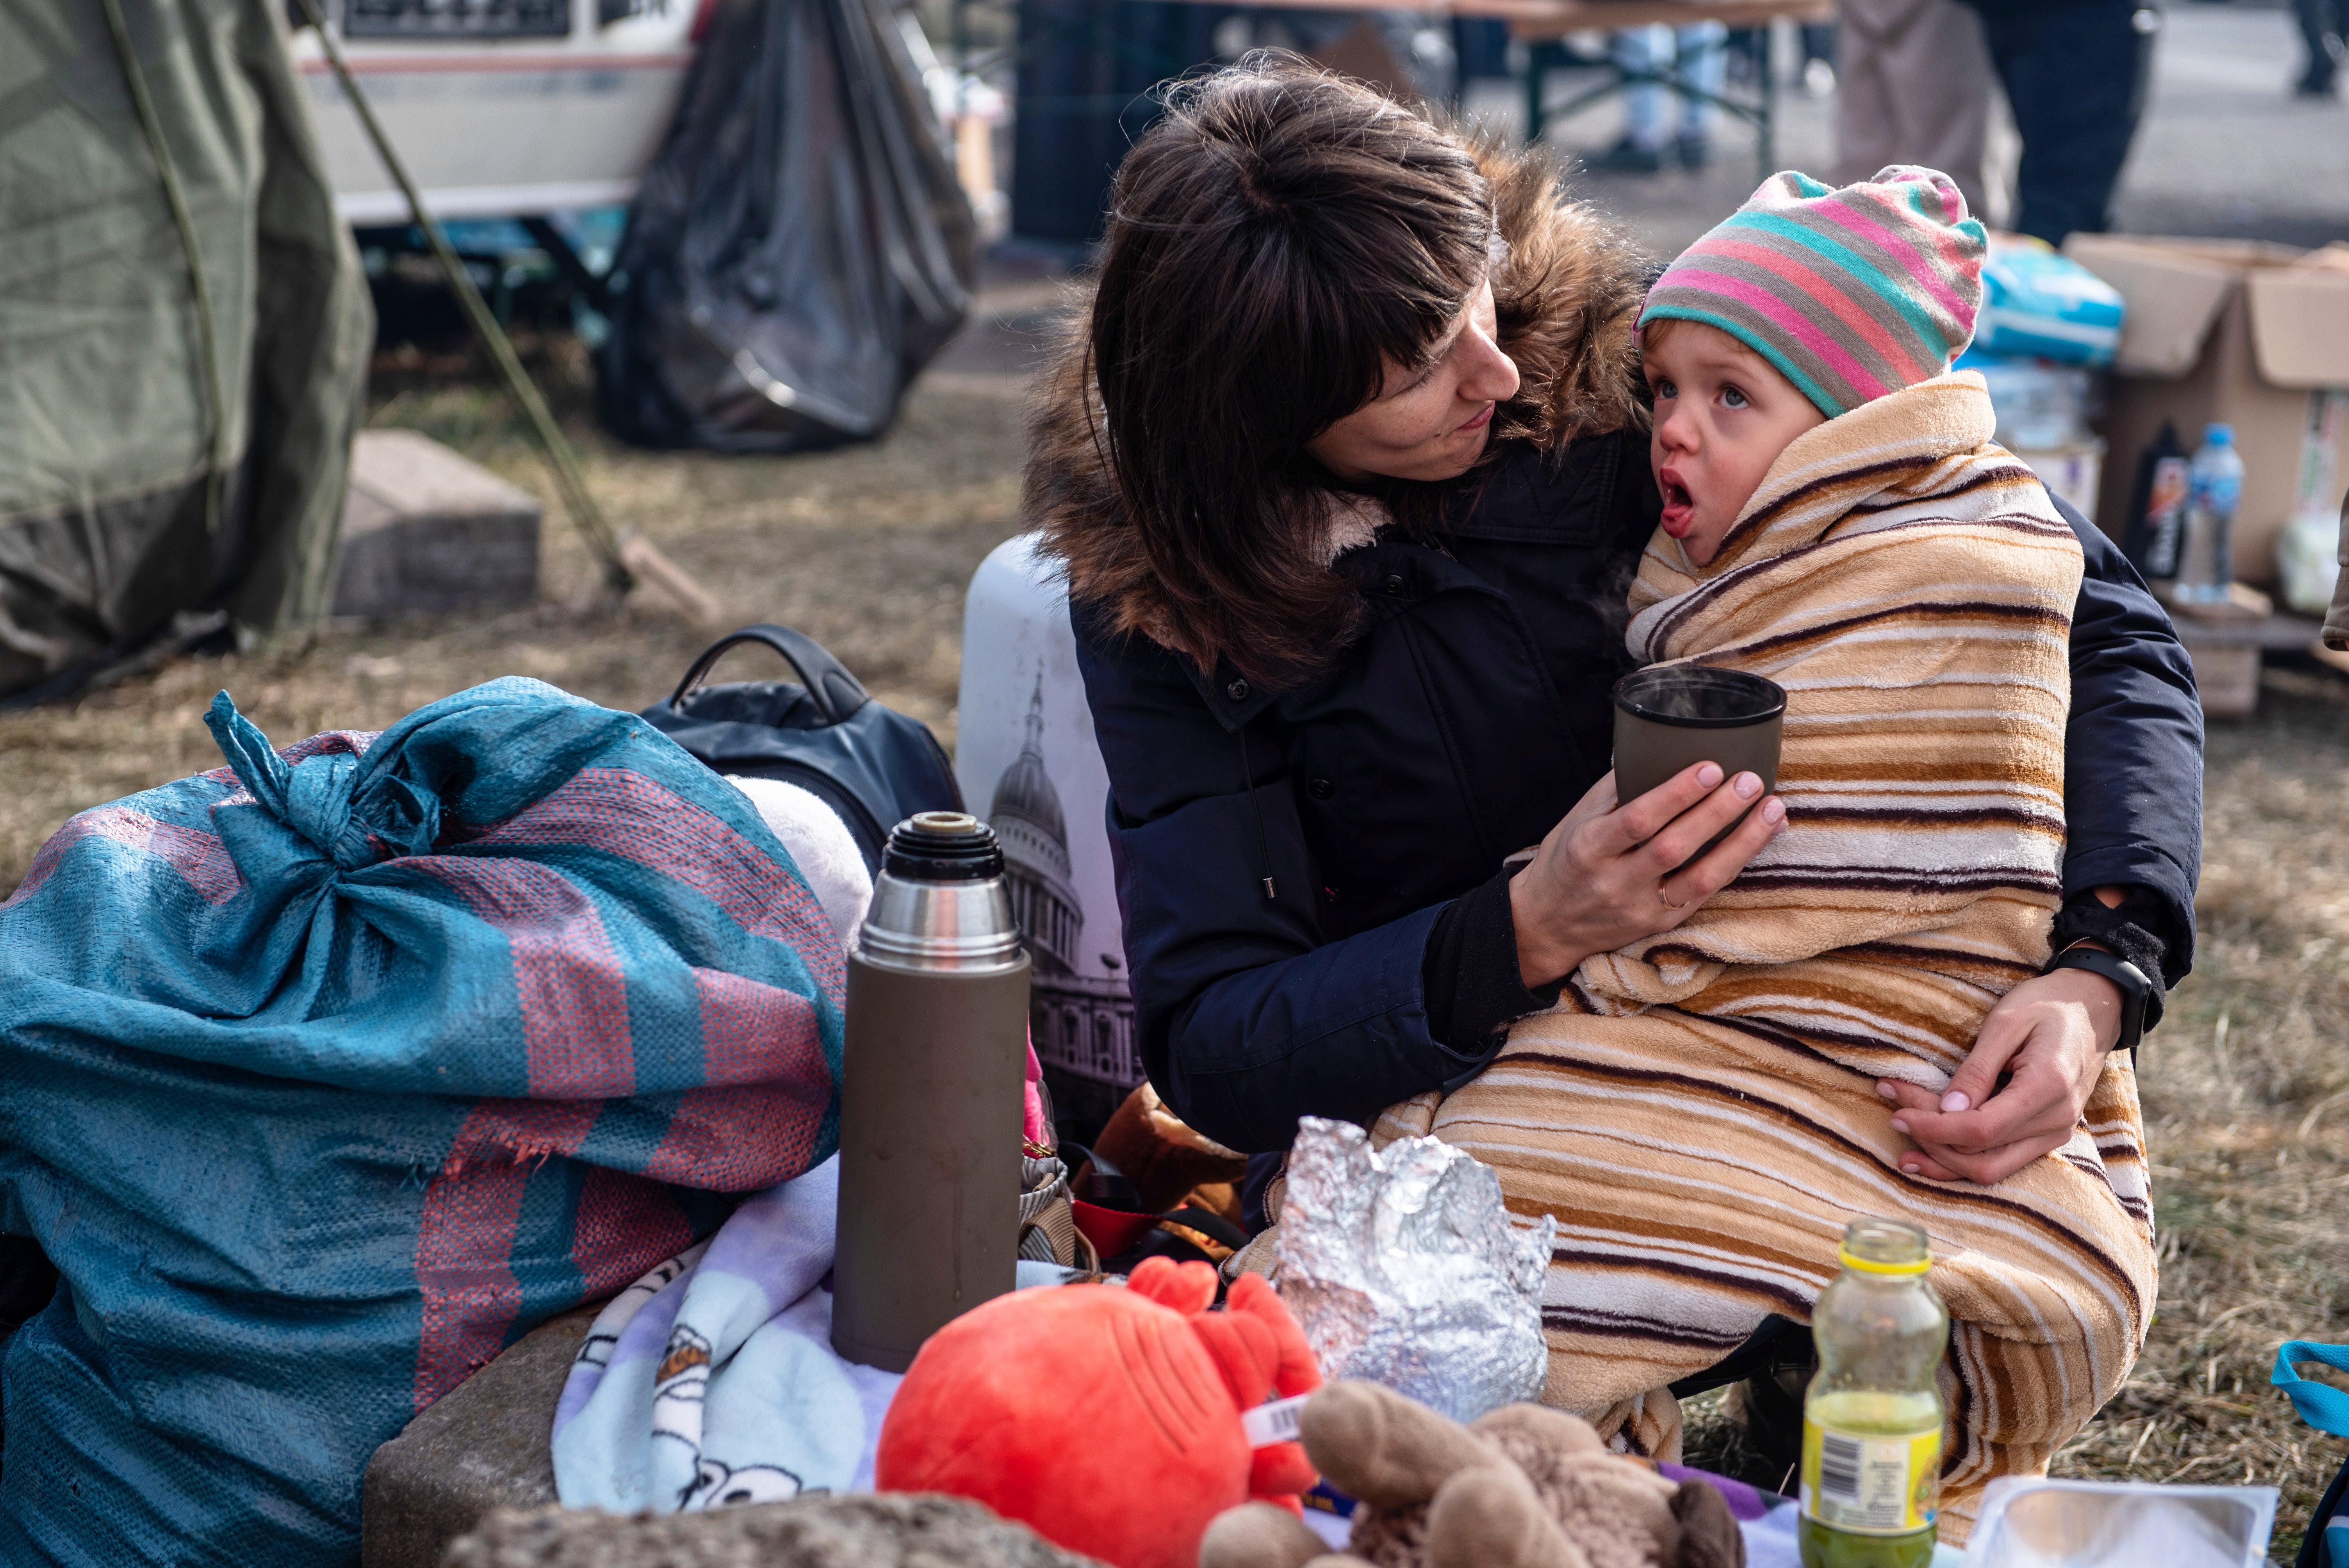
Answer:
[(1852, 294)]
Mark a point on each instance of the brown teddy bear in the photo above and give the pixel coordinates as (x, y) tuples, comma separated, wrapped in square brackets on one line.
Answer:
[(1523, 1487)]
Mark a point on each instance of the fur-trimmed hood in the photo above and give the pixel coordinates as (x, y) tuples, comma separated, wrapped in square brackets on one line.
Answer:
[(1567, 296)]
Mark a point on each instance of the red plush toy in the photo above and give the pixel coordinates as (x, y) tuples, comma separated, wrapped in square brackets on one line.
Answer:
[(1106, 1419)]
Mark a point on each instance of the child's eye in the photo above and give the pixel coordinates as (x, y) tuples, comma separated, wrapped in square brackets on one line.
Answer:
[(1664, 389), (1732, 397)]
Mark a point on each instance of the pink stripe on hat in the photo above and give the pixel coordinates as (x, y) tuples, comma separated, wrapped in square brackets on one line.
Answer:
[(1900, 244), (1817, 344), (1900, 353)]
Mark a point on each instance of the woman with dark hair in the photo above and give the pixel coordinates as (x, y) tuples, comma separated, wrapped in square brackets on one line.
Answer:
[(1348, 467)]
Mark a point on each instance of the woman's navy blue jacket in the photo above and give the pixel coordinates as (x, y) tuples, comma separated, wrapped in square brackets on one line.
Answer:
[(1470, 715)]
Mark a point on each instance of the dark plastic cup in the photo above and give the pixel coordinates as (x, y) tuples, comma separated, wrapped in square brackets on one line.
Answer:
[(1673, 715)]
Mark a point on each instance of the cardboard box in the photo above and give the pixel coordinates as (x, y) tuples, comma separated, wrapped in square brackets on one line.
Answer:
[(2226, 676), (2235, 331)]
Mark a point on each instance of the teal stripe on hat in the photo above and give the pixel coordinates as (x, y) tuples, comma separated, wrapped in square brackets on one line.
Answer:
[(1869, 301), (1833, 247)]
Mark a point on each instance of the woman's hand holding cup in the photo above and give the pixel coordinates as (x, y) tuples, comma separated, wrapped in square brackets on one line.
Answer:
[(1612, 873)]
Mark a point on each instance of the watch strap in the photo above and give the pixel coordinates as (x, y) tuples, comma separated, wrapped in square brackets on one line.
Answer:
[(2142, 929), (2134, 987)]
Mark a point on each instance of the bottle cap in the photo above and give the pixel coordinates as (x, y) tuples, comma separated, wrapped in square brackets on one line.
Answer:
[(1888, 1248), (2220, 435)]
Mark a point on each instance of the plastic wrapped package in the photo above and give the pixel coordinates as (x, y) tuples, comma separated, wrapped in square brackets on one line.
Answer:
[(798, 249), (2040, 405), (2039, 303), (2035, 1523), (2044, 410)]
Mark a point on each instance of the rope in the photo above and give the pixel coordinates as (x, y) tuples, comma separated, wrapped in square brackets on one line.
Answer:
[(568, 478)]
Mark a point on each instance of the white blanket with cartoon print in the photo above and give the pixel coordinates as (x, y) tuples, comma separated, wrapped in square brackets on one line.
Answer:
[(712, 1380)]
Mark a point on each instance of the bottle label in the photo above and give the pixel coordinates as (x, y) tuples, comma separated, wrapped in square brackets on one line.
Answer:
[(1869, 1483), (2165, 514), (1274, 1421), (2216, 493)]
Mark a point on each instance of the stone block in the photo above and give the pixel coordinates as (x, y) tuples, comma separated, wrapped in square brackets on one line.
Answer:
[(428, 533), (860, 1531), (482, 1446)]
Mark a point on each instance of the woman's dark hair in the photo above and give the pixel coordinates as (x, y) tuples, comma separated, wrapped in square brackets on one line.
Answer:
[(1275, 241)]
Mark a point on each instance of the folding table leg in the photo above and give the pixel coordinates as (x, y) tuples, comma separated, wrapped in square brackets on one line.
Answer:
[(1536, 64)]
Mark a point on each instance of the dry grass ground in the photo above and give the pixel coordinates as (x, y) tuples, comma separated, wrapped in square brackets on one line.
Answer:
[(2246, 1085), (868, 549)]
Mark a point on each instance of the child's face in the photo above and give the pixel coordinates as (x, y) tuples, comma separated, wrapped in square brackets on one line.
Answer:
[(1723, 415)]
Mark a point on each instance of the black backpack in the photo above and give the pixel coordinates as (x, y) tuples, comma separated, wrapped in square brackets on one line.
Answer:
[(871, 764)]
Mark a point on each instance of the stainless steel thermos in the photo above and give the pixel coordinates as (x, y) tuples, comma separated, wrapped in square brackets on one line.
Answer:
[(930, 1094)]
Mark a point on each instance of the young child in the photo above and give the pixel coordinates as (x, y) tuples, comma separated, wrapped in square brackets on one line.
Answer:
[(1700, 1113)]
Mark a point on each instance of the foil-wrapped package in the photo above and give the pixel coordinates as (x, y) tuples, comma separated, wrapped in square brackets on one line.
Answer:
[(1402, 1266)]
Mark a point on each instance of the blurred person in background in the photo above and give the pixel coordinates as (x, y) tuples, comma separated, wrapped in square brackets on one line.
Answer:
[(1748, 44), (1914, 80), (1819, 58), (1701, 55), (2321, 24), (2076, 74)]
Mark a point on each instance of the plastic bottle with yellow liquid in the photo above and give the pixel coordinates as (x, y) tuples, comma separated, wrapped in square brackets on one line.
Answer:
[(1871, 1471)]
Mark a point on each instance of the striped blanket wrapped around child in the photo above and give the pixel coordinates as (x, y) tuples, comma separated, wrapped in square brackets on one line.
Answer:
[(1700, 1111)]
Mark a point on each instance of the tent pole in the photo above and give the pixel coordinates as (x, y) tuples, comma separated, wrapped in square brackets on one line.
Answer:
[(628, 557)]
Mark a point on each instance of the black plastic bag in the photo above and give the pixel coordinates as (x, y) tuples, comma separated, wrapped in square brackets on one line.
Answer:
[(798, 249)]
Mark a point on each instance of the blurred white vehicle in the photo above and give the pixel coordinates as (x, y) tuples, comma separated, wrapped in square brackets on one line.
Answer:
[(499, 106)]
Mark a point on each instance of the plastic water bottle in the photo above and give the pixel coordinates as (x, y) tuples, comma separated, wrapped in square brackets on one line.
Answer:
[(1871, 1470), (2206, 564)]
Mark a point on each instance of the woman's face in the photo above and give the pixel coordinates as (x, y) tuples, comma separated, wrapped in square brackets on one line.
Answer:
[(1427, 424)]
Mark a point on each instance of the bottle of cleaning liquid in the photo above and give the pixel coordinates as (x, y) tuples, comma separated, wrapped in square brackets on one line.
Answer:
[(1871, 1470), (2206, 564), (2158, 509)]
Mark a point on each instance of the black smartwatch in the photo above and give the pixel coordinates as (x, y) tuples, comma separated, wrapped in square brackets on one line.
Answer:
[(2134, 987)]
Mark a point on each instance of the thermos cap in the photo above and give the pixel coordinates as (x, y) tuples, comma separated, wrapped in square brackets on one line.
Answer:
[(943, 846), (941, 905)]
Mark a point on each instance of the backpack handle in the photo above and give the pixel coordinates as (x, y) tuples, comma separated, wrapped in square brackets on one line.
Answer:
[(837, 695), (2321, 1405)]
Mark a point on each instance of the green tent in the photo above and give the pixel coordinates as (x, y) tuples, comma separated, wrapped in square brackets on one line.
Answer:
[(183, 333)]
